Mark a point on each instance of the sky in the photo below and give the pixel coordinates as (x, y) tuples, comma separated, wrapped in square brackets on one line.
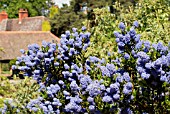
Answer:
[(60, 2)]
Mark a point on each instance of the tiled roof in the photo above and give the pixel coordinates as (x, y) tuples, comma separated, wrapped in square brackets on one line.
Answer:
[(13, 41), (27, 24)]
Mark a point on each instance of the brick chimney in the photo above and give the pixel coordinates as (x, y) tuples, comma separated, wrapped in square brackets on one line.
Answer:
[(3, 15), (23, 13)]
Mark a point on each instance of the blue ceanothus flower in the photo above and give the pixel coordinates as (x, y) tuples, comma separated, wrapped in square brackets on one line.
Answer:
[(153, 68), (107, 99), (94, 88), (122, 26), (127, 88), (74, 105), (136, 24)]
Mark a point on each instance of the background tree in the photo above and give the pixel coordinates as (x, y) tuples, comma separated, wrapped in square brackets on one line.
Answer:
[(66, 19), (79, 11), (73, 15), (34, 7)]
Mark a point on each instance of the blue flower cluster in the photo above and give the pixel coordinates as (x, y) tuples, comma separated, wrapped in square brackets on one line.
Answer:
[(46, 106), (73, 83), (144, 64)]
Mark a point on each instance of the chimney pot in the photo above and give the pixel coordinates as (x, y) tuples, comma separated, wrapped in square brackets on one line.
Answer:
[(23, 13), (3, 15)]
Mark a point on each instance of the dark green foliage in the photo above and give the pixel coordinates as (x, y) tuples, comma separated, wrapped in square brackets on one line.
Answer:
[(12, 62), (67, 18)]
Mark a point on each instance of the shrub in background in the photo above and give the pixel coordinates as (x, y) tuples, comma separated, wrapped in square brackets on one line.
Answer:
[(102, 37), (153, 17), (154, 25), (18, 93), (6, 88)]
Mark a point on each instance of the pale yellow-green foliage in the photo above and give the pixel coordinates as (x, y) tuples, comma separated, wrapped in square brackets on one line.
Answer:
[(46, 26), (153, 17), (102, 38), (53, 11), (1, 49)]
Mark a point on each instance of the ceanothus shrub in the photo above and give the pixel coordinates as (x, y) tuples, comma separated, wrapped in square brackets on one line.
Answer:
[(135, 81)]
